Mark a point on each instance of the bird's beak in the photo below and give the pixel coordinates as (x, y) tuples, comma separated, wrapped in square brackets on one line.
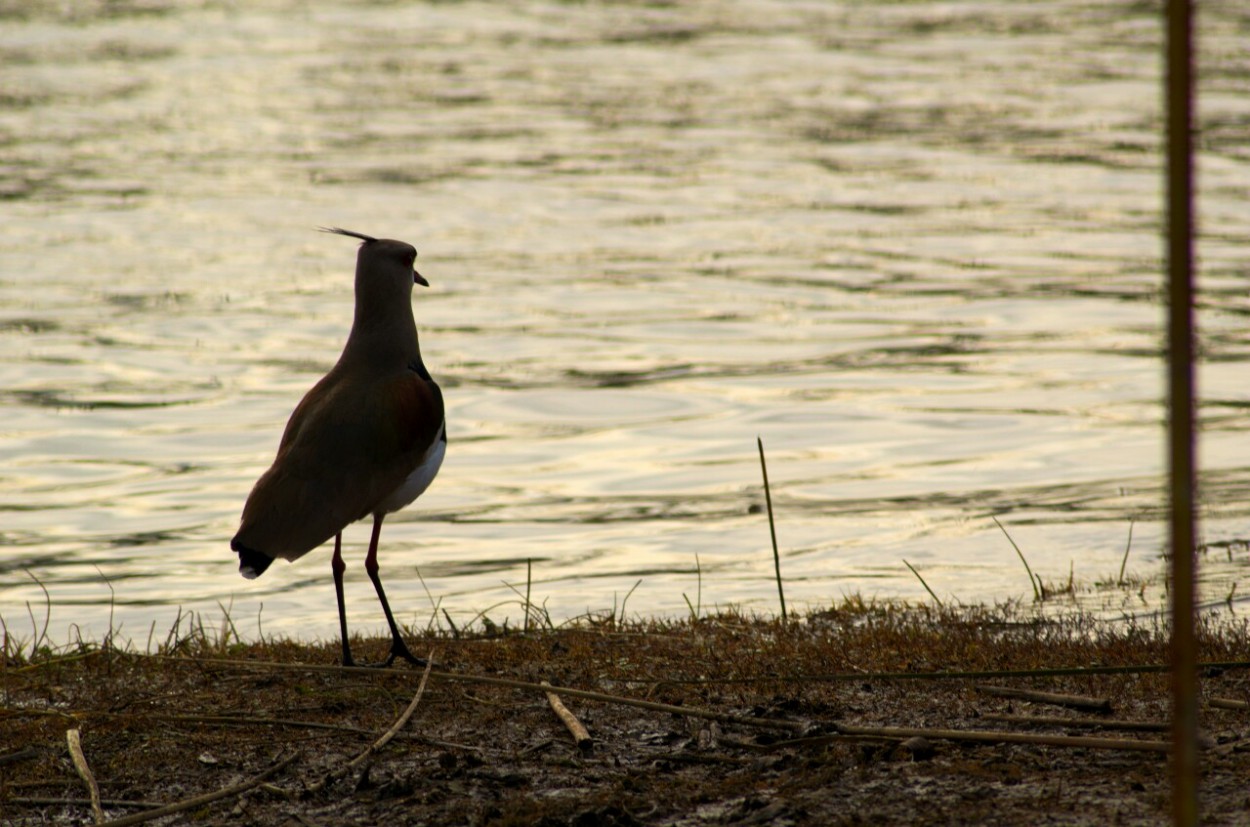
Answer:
[(417, 278)]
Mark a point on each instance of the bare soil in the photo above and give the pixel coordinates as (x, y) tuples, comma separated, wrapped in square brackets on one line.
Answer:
[(799, 741)]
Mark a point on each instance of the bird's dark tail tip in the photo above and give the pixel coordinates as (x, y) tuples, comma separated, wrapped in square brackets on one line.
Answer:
[(252, 563)]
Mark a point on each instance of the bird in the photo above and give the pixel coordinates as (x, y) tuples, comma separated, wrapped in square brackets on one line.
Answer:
[(366, 440)]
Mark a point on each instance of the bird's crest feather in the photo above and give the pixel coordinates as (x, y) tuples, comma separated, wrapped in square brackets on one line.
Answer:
[(353, 234)]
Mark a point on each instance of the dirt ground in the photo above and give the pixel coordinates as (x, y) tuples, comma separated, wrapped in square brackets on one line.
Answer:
[(780, 724)]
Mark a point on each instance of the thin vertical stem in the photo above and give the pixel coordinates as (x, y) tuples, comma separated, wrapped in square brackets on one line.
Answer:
[(529, 579), (1181, 407), (1128, 546), (772, 528)]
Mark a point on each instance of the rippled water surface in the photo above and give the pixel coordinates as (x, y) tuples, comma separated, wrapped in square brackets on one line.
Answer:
[(914, 246)]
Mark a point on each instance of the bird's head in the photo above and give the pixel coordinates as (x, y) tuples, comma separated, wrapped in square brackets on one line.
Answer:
[(384, 259)]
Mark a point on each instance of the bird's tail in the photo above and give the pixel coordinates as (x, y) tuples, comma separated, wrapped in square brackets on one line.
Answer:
[(252, 563)]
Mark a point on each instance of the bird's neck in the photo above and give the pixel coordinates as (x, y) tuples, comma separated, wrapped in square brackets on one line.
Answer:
[(383, 336)]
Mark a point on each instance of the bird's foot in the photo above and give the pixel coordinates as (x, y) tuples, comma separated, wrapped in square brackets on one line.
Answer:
[(399, 649), (349, 661), (382, 664)]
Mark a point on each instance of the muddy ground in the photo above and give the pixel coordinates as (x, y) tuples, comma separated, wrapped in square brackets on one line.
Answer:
[(800, 740)]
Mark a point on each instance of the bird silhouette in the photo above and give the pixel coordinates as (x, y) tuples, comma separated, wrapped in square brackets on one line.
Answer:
[(367, 439)]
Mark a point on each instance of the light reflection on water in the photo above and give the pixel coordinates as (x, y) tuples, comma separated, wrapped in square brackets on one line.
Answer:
[(912, 246)]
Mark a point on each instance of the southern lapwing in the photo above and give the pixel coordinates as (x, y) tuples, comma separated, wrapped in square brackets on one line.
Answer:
[(366, 440)]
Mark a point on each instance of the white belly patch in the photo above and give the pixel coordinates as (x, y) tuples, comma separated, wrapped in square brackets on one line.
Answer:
[(420, 478)]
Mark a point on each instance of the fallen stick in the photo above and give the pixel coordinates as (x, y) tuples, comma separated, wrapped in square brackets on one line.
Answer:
[(201, 800), (74, 740), (947, 675), (581, 736), (981, 736), (400, 721), (1228, 703), (54, 661), (246, 720), (539, 747), (703, 758), (673, 709), (24, 754), (384, 739), (1100, 723), (1071, 701), (78, 802), (508, 683)]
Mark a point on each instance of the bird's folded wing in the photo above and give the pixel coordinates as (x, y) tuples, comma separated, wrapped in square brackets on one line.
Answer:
[(347, 446)]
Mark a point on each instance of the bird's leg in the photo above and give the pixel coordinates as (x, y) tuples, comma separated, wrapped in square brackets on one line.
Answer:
[(398, 647), (338, 567)]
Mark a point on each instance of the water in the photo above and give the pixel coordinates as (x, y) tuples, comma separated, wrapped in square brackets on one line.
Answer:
[(913, 246)]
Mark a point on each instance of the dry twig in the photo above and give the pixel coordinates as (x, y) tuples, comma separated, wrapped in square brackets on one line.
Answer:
[(1071, 701), (201, 800), (24, 754), (260, 720), (981, 736), (386, 737), (1094, 723), (44, 801), (1228, 703), (690, 711), (400, 721), (74, 740), (581, 736)]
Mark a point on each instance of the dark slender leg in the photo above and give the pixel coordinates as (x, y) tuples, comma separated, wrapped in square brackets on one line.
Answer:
[(398, 647), (338, 567)]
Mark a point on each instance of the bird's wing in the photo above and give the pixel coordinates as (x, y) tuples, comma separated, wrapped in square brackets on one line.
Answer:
[(415, 419), (346, 447)]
